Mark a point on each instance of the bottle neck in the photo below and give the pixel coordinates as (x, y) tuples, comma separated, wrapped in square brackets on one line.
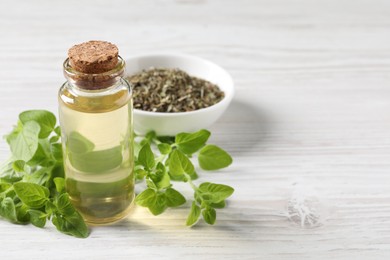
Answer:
[(99, 81)]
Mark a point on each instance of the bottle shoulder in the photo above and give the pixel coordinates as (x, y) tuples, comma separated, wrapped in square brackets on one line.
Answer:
[(100, 101)]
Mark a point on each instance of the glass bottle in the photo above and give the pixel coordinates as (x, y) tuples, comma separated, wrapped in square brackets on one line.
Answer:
[(95, 113)]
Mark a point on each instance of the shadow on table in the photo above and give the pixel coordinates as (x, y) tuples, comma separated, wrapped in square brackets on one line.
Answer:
[(237, 223), (243, 125), (233, 222)]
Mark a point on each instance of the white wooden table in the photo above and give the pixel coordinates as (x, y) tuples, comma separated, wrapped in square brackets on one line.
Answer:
[(310, 122)]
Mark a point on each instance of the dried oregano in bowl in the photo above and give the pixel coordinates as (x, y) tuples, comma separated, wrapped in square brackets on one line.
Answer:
[(172, 90), (168, 99)]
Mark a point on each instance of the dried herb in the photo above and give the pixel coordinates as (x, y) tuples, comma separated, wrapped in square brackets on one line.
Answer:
[(172, 90)]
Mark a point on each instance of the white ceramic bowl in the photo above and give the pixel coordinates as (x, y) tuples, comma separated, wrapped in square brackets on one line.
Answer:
[(173, 123)]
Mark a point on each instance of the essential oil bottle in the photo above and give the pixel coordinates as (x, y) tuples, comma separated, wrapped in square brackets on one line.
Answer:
[(95, 110)]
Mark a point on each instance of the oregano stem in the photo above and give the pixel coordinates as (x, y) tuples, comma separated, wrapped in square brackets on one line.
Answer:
[(189, 180), (161, 158), (156, 141)]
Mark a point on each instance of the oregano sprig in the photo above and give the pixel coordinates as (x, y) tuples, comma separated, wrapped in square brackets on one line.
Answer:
[(32, 185), (31, 181), (174, 164)]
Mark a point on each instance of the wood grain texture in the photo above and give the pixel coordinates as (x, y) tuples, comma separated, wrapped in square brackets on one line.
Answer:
[(311, 117)]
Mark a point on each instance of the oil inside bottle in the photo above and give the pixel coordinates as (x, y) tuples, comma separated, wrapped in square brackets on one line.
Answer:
[(98, 156)]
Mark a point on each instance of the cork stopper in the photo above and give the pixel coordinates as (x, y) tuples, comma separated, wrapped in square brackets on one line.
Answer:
[(93, 57)]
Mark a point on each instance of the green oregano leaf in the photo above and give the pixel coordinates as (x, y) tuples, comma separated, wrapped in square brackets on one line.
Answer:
[(45, 119), (25, 144), (218, 205), (164, 182), (31, 194), (146, 198), (73, 225), (174, 198), (166, 139), (50, 208), (56, 150), (64, 206), (160, 168), (41, 156), (4, 186), (21, 213), (159, 205), (140, 174), (164, 148), (180, 164), (214, 193), (175, 167), (146, 157), (57, 130), (150, 184), (14, 133), (150, 136), (189, 143), (193, 217), (209, 215), (60, 184), (155, 201), (39, 177), (57, 170), (54, 139), (211, 157), (37, 218), (19, 165), (7, 209), (8, 173)]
